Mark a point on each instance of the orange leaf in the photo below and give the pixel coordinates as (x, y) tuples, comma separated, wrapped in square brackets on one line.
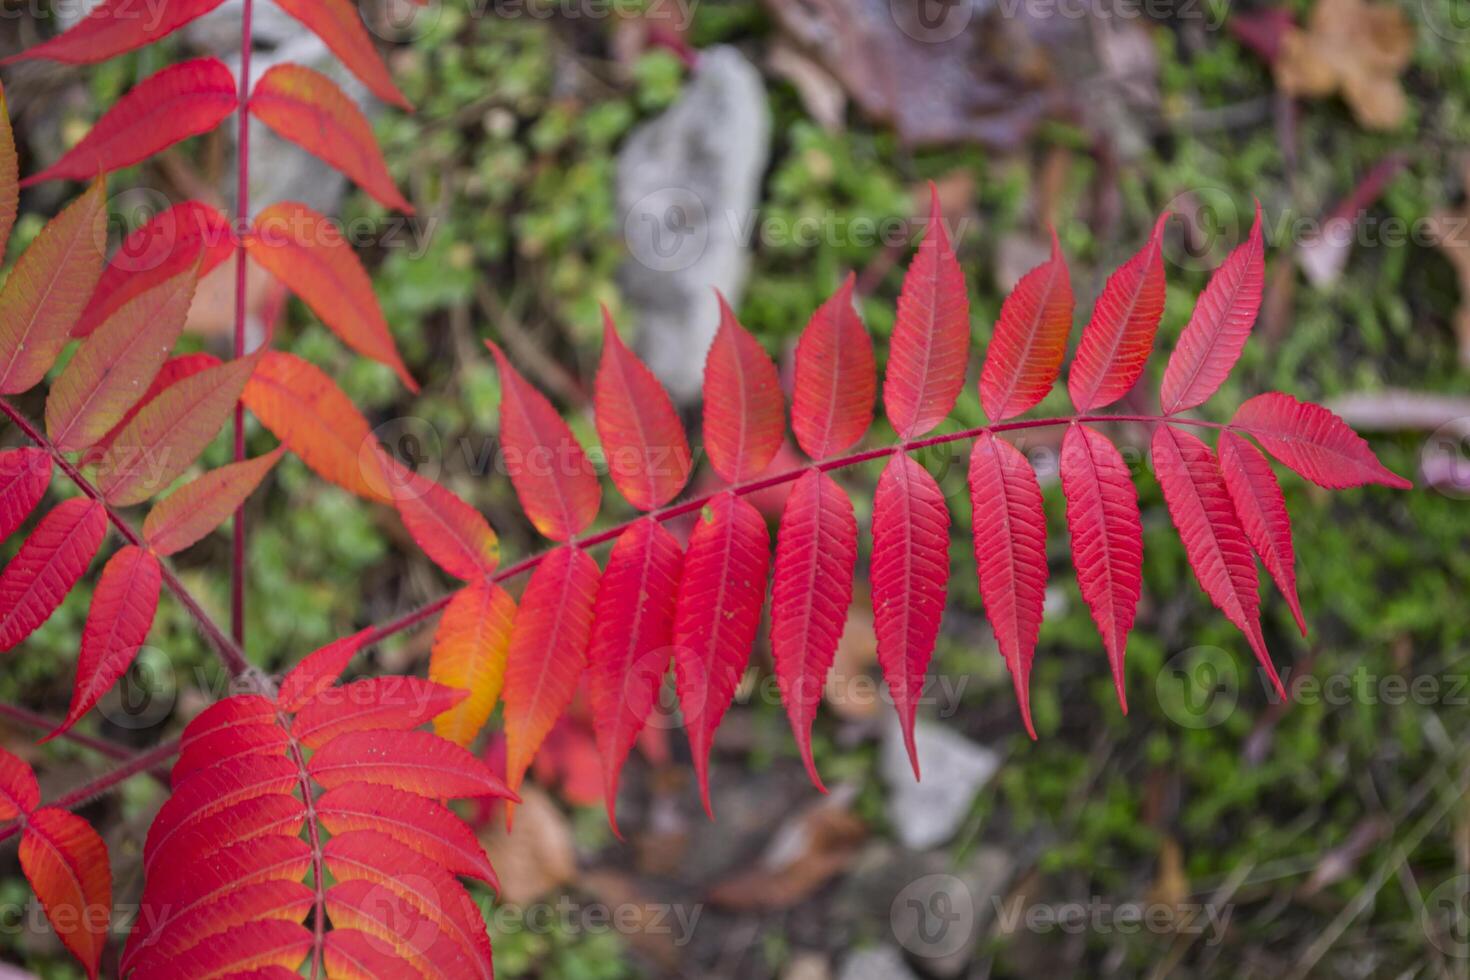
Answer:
[(192, 511), (9, 175), (114, 366), (170, 432), (19, 791), (307, 108), (174, 369), (178, 102), (470, 648), (339, 24), (48, 288), (66, 863), (307, 252), (315, 419), (451, 532)]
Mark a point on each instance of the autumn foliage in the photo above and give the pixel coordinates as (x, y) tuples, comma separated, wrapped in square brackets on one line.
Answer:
[(307, 821)]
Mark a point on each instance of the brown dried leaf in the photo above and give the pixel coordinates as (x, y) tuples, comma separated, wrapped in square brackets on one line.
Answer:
[(1353, 48)]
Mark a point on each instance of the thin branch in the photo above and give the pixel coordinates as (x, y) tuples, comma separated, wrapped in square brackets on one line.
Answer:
[(228, 650), (412, 618), (242, 217), (88, 792), (32, 719)]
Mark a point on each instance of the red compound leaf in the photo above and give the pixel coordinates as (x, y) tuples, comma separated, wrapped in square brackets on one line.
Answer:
[(548, 650), (469, 653), (632, 633), (1217, 331), (816, 553), (836, 378), (25, 474), (114, 27), (1214, 541), (307, 108), (122, 612), (180, 101), (1030, 340), (721, 592), (307, 253), (1314, 443), (1118, 339), (910, 577), (1010, 555), (744, 410), (50, 562), (554, 479), (931, 336), (1107, 538), (66, 863), (1261, 507), (642, 438)]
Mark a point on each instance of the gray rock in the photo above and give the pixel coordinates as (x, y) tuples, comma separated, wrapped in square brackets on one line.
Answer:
[(688, 187), (927, 813), (881, 963)]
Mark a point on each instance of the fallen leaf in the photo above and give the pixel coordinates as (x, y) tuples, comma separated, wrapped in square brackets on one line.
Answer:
[(821, 93), (808, 850), (1354, 48), (538, 856)]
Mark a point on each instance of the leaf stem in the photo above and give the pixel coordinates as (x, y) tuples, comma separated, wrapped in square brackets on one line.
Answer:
[(242, 218), (229, 652), (412, 618), (32, 719)]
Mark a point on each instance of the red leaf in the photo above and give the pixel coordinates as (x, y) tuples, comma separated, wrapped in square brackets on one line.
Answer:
[(1213, 539), (553, 477), (632, 629), (316, 420), (350, 954), (421, 824), (395, 923), (47, 566), (1010, 555), (816, 553), (367, 855), (25, 474), (836, 378), (114, 27), (231, 746), (910, 576), (744, 411), (169, 243), (117, 625), (48, 288), (548, 649), (1030, 340), (19, 792), (1313, 442), (272, 815), (306, 252), (931, 335), (339, 24), (318, 671), (174, 369), (1261, 507), (1117, 341), (188, 514), (9, 175), (307, 108), (180, 101), (66, 863), (642, 438), (469, 653), (1107, 538), (1217, 331), (170, 432), (217, 789), (286, 901), (380, 704), (451, 532), (255, 945), (415, 762), (114, 366), (721, 592)]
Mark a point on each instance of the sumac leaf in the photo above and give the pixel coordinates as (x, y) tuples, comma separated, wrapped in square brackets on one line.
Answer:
[(114, 27), (642, 437), (1261, 507), (423, 825), (25, 474), (49, 563), (1314, 443), (19, 791), (1117, 341), (836, 378), (744, 410), (469, 653), (318, 671), (415, 762), (1030, 340), (451, 532), (9, 175), (66, 863), (188, 514), (339, 24), (174, 369)]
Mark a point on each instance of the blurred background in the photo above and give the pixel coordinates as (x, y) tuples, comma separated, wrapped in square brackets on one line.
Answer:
[(636, 153)]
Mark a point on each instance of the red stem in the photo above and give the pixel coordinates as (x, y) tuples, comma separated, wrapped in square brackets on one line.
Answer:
[(414, 617), (90, 791), (31, 719), (228, 651), (242, 216)]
